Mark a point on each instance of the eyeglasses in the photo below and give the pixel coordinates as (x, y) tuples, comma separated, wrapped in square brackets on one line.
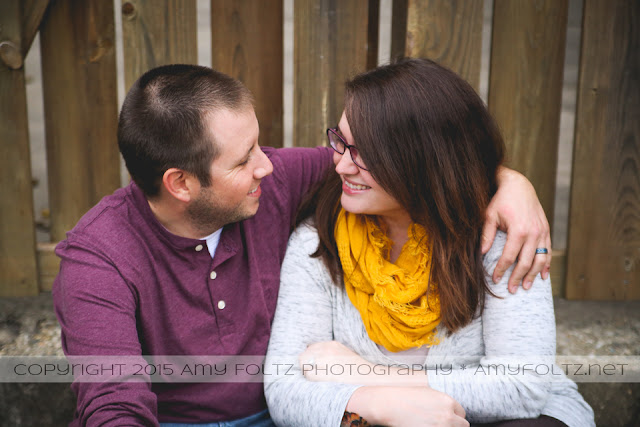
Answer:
[(338, 143)]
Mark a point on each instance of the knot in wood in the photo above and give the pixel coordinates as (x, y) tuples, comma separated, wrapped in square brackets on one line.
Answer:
[(128, 10), (11, 55), (628, 264)]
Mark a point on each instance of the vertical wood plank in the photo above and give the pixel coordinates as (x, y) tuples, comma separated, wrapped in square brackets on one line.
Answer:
[(246, 43), (447, 31), (32, 14), (399, 11), (18, 273), (373, 34), (604, 223), (330, 46), (77, 42), (48, 265), (558, 273), (157, 32), (525, 86)]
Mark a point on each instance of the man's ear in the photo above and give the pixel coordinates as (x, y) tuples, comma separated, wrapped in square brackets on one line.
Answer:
[(180, 185)]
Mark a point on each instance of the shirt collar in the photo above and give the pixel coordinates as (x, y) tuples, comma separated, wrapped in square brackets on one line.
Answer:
[(178, 242)]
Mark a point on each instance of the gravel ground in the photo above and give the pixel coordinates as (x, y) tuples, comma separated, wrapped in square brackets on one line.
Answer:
[(602, 328), (28, 326)]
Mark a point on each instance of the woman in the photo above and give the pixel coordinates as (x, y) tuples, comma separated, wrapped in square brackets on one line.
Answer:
[(388, 275)]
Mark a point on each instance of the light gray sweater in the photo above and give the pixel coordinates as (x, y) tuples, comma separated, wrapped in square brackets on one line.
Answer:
[(483, 366)]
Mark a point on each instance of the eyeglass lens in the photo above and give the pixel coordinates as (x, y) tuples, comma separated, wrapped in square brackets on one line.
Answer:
[(338, 144)]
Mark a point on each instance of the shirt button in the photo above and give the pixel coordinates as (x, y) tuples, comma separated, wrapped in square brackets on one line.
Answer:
[(213, 275), (199, 248), (221, 305)]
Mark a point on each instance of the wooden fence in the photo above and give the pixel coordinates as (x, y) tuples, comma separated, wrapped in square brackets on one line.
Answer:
[(333, 39)]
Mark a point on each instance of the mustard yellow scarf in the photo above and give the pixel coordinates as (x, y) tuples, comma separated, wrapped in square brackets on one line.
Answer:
[(391, 298)]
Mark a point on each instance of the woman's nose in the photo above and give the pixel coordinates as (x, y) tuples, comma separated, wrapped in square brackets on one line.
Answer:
[(344, 163)]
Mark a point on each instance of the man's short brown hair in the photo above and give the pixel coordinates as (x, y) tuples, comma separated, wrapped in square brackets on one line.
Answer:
[(162, 122)]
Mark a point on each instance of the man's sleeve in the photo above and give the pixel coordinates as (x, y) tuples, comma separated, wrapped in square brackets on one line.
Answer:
[(299, 169), (97, 313)]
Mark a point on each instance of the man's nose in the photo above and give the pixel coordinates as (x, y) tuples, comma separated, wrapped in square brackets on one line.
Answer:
[(265, 168)]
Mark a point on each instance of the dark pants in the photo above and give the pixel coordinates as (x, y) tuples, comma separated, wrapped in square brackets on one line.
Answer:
[(541, 421), (261, 419)]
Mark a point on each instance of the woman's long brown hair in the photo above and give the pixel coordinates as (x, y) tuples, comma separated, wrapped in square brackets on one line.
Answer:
[(429, 141)]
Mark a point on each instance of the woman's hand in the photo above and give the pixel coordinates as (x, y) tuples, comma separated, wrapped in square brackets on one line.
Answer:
[(515, 208), (406, 406)]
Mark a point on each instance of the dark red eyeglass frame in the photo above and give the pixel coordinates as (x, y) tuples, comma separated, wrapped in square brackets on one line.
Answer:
[(353, 151)]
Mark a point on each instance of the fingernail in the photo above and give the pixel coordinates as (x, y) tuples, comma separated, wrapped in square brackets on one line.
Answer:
[(527, 284), (513, 289), (498, 278)]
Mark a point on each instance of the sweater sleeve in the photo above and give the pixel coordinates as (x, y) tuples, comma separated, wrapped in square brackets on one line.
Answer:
[(302, 167), (303, 317), (96, 310), (512, 379)]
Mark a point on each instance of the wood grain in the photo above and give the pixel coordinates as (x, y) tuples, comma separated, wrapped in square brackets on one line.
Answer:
[(32, 13), (246, 43), (447, 31), (373, 34), (77, 42), (48, 265), (604, 219), (525, 86), (157, 32), (400, 9), (18, 274), (558, 273), (330, 46)]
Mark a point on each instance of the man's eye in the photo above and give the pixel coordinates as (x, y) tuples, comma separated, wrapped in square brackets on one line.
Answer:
[(248, 157)]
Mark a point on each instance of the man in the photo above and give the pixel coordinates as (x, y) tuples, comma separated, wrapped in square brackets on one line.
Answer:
[(186, 259)]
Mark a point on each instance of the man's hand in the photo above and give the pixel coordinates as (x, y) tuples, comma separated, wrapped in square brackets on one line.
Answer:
[(515, 208)]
